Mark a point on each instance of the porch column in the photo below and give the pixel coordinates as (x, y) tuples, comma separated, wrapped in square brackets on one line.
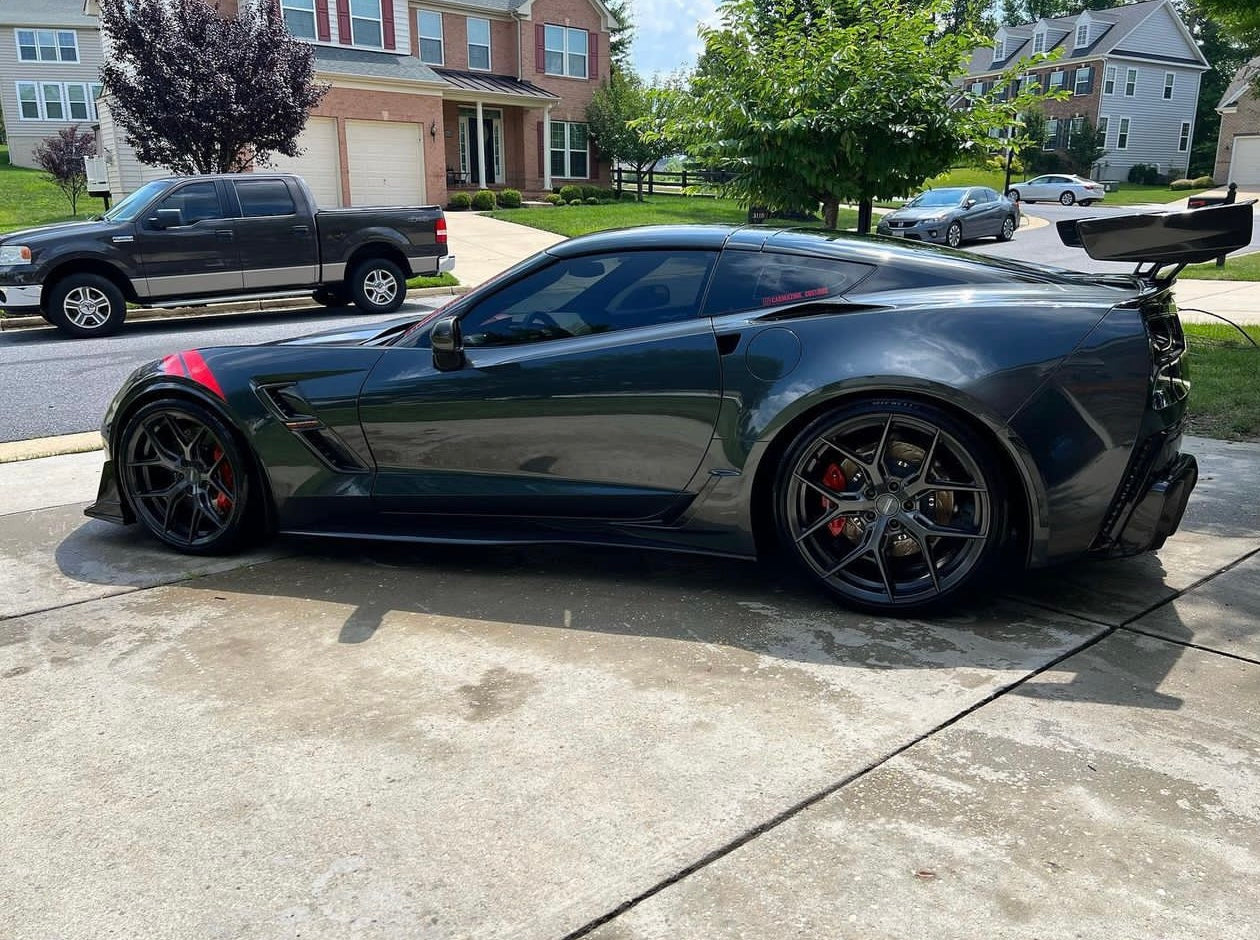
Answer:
[(481, 150), (546, 148)]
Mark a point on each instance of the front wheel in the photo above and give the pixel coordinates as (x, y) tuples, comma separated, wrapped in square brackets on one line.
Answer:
[(953, 235), (84, 305), (1013, 194), (1067, 199), (892, 505), (378, 286), (1008, 229)]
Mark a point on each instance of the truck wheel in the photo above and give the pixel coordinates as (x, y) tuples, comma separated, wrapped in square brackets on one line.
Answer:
[(331, 297), (378, 286), (86, 305)]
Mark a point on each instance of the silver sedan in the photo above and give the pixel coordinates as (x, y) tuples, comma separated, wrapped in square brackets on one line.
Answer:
[(949, 215), (1065, 188)]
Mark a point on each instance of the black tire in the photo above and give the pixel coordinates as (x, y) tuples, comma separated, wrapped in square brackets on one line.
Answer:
[(331, 297), (872, 455), (953, 234), (1008, 229), (1066, 199), (378, 286), (187, 479), (1088, 202), (83, 305), (1013, 194)]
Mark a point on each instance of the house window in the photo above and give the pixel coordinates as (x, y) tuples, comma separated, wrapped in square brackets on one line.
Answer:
[(1130, 83), (299, 17), (569, 158), (77, 96), (1109, 83), (54, 103), (478, 43), (977, 88), (1052, 135), (430, 30), (1056, 80), (999, 50), (1183, 141), (1170, 81), (47, 45), (1077, 125), (1083, 79), (1082, 35), (565, 51), (1122, 135), (1102, 128), (366, 23), (1039, 42), (28, 99)]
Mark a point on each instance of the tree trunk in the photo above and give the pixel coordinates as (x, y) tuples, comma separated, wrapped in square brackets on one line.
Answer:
[(864, 216), (831, 211), (638, 175)]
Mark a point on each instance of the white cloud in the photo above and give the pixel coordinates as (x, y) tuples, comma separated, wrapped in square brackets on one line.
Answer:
[(665, 33)]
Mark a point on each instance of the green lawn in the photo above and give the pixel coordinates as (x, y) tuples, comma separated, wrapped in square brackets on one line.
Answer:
[(1127, 195), (27, 199), (1223, 367), (654, 210), (443, 279), (1239, 268)]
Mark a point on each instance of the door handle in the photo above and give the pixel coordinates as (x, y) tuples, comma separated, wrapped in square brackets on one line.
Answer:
[(301, 230), (727, 343), (223, 234)]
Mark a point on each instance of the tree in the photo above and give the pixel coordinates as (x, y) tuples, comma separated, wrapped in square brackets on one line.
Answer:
[(1017, 12), (1086, 146), (1030, 149), (625, 117), (1240, 18), (61, 157), (204, 93), (849, 102), (621, 35), (1225, 53)]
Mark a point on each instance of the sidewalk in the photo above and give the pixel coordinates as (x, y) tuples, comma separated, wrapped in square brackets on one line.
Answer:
[(1237, 300)]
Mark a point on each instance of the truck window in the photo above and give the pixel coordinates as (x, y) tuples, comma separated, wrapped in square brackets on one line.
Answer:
[(196, 202), (261, 198)]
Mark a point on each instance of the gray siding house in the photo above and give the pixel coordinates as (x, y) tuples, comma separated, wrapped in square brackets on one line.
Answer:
[(1132, 69), (50, 65)]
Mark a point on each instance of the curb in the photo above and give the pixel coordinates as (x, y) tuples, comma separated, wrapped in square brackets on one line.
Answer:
[(208, 310), (13, 451)]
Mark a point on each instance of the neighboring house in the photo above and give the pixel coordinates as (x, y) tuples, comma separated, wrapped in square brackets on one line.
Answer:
[(431, 97), (1133, 70), (1238, 147), (50, 61)]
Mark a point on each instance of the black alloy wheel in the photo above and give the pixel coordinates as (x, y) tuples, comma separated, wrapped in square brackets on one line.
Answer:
[(893, 505), (1008, 229), (378, 286), (953, 234), (1067, 198), (185, 477)]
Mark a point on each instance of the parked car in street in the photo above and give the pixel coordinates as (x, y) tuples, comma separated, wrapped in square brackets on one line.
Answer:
[(900, 420), (1064, 188), (201, 239), (953, 214)]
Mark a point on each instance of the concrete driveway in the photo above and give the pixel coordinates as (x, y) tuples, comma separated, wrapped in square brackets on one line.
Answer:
[(326, 740)]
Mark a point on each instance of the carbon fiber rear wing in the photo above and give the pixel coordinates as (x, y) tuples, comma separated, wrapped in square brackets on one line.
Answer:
[(1160, 239)]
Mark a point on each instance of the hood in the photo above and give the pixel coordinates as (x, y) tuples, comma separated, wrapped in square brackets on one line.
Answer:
[(46, 233), (349, 335), (917, 214)]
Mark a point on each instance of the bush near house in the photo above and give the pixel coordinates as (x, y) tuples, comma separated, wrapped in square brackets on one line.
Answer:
[(1181, 184), (570, 193), (1204, 182), (554, 199), (483, 200), (1145, 174), (461, 201), (509, 199)]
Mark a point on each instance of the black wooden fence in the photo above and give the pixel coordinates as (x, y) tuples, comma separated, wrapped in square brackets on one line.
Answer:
[(654, 181)]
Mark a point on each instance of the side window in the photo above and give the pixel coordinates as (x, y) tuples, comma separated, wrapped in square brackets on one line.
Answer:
[(750, 280), (196, 202), (260, 198), (591, 294)]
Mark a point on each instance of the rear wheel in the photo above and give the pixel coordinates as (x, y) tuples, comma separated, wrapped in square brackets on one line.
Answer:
[(378, 286), (953, 235), (1013, 194), (1008, 229), (331, 297), (84, 305), (892, 505), (1067, 199), (185, 477)]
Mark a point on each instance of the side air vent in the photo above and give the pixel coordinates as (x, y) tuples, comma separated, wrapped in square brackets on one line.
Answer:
[(298, 415), (332, 450)]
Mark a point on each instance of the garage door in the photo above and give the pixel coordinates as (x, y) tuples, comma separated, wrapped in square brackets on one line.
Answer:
[(319, 162), (386, 163), (1245, 166)]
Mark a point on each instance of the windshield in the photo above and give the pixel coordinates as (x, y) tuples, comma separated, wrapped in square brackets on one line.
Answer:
[(936, 197), (129, 208)]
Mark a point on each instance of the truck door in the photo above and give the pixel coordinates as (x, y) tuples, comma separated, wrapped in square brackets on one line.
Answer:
[(275, 232), (196, 256)]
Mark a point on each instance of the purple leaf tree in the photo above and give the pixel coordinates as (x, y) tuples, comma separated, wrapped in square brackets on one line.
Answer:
[(61, 157), (200, 92)]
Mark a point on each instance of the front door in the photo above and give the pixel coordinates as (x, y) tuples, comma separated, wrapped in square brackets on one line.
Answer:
[(591, 390), (491, 155), (198, 256)]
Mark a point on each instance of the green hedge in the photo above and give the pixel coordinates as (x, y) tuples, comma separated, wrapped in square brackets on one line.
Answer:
[(483, 200), (460, 200)]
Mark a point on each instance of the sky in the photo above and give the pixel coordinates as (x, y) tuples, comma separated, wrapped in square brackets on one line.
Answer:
[(665, 33)]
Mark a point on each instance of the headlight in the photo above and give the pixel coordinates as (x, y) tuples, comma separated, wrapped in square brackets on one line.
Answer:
[(935, 220), (15, 254)]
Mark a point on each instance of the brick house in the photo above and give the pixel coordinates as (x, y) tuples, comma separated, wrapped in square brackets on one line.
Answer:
[(1132, 70), (1238, 147), (427, 98)]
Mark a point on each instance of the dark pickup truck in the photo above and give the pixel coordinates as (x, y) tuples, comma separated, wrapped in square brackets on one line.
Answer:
[(200, 239)]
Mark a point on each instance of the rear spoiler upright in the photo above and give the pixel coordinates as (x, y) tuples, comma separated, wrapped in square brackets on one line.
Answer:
[(1160, 239)]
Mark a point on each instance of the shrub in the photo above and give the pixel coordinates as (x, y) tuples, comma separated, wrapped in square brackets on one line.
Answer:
[(553, 199), (592, 200), (1181, 184), (483, 200), (460, 200), (1144, 174), (510, 198), (575, 202), (570, 192), (1203, 182), (591, 191)]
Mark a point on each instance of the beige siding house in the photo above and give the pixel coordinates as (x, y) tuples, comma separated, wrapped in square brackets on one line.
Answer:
[(50, 63)]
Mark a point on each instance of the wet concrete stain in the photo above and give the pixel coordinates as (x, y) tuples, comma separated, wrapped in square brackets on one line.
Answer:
[(499, 692)]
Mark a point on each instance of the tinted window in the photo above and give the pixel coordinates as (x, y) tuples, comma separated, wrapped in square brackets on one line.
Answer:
[(196, 202), (749, 280), (981, 196), (591, 294), (264, 197)]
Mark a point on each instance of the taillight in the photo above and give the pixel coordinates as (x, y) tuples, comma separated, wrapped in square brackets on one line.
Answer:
[(191, 365), (439, 232)]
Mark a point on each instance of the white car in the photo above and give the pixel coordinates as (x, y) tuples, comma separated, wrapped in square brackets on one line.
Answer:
[(1059, 187)]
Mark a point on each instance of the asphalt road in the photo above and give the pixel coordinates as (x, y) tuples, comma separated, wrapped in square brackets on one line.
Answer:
[(50, 384)]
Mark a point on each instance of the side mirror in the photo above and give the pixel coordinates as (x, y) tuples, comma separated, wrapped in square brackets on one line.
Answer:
[(970, 203), (447, 340), (167, 218)]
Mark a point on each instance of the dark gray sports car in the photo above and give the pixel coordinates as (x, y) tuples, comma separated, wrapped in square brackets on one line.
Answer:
[(898, 419)]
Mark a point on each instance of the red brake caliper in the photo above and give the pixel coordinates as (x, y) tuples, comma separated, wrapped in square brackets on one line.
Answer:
[(834, 479), (223, 502)]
